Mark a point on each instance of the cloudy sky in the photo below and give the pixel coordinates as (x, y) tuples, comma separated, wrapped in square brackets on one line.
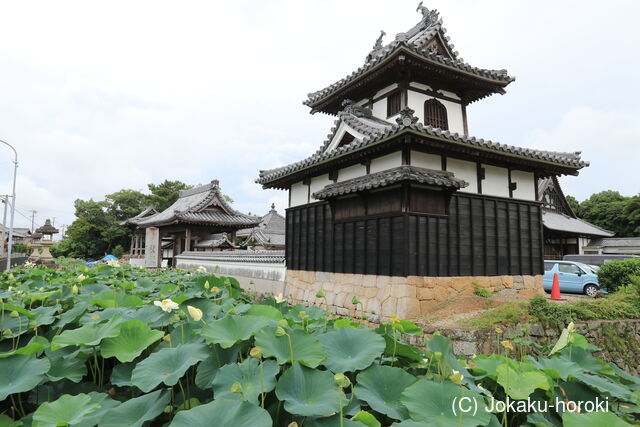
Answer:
[(98, 97)]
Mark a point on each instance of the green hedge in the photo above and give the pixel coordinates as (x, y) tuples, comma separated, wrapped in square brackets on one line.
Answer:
[(616, 273)]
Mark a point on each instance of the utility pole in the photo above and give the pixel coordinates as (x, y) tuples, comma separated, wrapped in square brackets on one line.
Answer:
[(13, 202), (33, 219), (5, 201), (54, 221)]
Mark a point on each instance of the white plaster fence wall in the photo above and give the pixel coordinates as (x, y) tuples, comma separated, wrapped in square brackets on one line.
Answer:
[(257, 271)]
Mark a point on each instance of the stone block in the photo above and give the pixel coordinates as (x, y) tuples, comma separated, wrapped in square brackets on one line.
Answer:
[(464, 348), (368, 281), (408, 308), (415, 280), (384, 293), (403, 290), (441, 294), (389, 306), (382, 281), (323, 276), (340, 299), (370, 292), (398, 280), (507, 281), (430, 282), (425, 294), (427, 307), (462, 283), (373, 306)]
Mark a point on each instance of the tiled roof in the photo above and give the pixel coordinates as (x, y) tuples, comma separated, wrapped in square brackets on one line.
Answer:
[(237, 256), (201, 205), (270, 231), (559, 222), (415, 41), (47, 228), (218, 240), (376, 130), (391, 176), (147, 212), (626, 242)]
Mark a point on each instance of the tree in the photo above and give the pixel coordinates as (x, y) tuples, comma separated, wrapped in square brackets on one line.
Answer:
[(611, 211), (574, 204), (96, 230), (165, 193)]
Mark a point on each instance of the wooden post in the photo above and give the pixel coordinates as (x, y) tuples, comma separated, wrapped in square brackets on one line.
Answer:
[(187, 239)]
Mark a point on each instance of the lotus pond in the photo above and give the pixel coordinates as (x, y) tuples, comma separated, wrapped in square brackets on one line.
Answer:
[(119, 346)]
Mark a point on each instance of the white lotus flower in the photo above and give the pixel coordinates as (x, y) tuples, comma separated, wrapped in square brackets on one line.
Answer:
[(202, 269), (81, 277), (279, 298), (29, 264), (166, 305), (195, 313), (113, 263)]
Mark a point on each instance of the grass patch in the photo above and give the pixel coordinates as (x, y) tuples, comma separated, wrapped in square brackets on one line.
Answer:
[(506, 314), (480, 290), (623, 304)]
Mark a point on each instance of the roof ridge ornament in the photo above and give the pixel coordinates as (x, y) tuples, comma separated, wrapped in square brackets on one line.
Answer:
[(350, 107), (406, 117), (428, 16), (377, 47)]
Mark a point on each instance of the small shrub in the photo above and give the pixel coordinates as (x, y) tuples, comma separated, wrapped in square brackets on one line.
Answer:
[(617, 273), (480, 290), (505, 314)]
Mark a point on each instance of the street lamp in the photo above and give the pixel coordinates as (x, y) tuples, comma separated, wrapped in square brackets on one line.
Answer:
[(13, 203)]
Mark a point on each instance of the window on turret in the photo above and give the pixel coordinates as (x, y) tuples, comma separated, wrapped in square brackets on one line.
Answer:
[(435, 114), (394, 103), (346, 139)]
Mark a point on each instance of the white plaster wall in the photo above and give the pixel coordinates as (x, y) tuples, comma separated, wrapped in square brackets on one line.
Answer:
[(379, 109), (464, 170), (426, 160), (299, 194), (496, 181), (420, 86), (318, 183), (389, 161), (351, 172), (342, 129), (454, 111), (525, 189)]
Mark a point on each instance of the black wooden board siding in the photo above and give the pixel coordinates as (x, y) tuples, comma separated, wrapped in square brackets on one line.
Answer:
[(480, 236)]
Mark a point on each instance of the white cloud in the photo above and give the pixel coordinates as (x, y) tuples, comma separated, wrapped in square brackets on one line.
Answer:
[(99, 97)]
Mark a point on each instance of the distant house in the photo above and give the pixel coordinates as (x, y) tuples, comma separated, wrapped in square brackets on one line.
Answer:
[(614, 246), (564, 233), (269, 234), (137, 236), (198, 214)]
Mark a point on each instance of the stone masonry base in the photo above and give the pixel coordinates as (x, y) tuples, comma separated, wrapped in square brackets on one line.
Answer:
[(409, 297)]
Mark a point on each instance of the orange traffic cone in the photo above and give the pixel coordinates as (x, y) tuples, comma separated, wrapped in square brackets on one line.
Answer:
[(555, 288)]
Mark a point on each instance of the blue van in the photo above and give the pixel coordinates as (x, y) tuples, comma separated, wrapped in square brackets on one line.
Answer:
[(574, 277)]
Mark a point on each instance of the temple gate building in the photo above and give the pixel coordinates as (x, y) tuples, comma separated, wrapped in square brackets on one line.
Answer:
[(400, 205)]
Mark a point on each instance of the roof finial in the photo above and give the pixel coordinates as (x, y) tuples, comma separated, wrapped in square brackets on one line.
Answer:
[(376, 47), (428, 16), (406, 117), (273, 206), (350, 107)]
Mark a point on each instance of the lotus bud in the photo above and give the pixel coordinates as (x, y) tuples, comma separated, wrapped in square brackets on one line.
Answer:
[(74, 289), (507, 344), (303, 315), (7, 333), (166, 338), (342, 380), (355, 300), (320, 294), (280, 332), (195, 313), (175, 318), (215, 290), (14, 314), (236, 388), (283, 323), (206, 284), (32, 323), (456, 377), (41, 289), (11, 277), (437, 355), (292, 424), (168, 409), (256, 352)]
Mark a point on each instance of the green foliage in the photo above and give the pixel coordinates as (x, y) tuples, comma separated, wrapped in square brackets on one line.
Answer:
[(480, 290), (165, 193), (611, 211), (124, 350), (617, 273), (20, 248)]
